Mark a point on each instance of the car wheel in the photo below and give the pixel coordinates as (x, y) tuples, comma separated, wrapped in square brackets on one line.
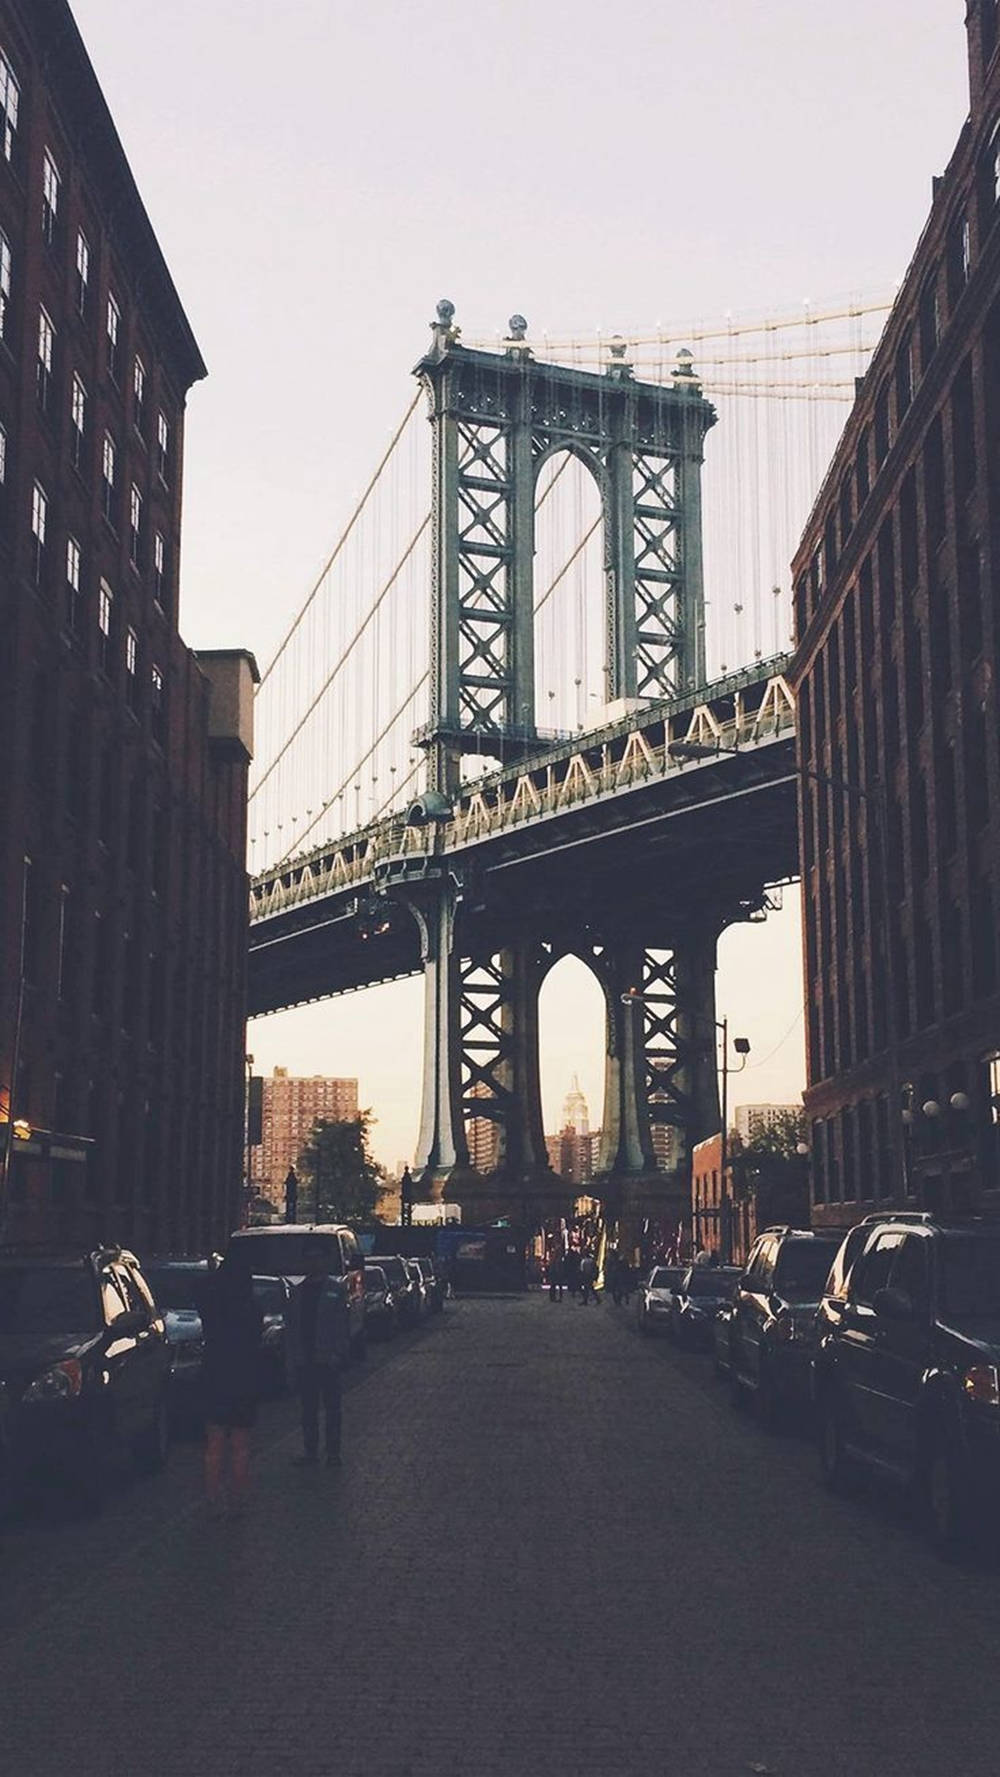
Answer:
[(834, 1460), (768, 1410), (949, 1510), (153, 1445)]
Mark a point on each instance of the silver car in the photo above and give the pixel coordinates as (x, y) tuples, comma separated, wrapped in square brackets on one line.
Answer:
[(655, 1300)]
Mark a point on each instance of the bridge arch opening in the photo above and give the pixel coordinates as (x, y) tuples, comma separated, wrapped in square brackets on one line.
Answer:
[(569, 596), (572, 1044)]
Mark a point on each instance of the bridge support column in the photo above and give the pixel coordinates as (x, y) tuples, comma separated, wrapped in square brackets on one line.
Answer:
[(500, 1063), (626, 1145), (441, 1146)]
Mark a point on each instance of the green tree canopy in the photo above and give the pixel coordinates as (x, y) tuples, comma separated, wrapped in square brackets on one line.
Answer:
[(344, 1182)]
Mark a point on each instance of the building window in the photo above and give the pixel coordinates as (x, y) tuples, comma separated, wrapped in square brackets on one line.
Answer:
[(904, 378), (159, 571), (135, 526), (162, 447), (158, 703), (114, 330), (959, 257), (930, 326), (882, 424), (39, 526), (139, 397), (3, 459), (131, 668), (50, 198), (46, 348), (6, 270), (10, 94), (82, 272), (105, 615), (74, 583), (78, 417), (109, 471)]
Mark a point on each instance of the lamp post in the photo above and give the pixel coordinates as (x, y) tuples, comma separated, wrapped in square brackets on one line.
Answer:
[(684, 750), (634, 997)]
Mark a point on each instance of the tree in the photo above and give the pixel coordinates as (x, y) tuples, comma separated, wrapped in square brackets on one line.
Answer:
[(770, 1168), (344, 1182)]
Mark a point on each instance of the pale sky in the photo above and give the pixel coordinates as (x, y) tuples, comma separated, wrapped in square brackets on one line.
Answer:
[(319, 174)]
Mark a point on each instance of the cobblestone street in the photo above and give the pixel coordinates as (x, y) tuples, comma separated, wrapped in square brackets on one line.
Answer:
[(553, 1548)]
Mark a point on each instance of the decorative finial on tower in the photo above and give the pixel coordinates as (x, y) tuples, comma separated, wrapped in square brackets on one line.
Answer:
[(516, 345), (685, 371), (619, 367), (444, 330)]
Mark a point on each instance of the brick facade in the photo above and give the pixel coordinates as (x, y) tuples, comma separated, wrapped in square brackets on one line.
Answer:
[(123, 798), (897, 594)]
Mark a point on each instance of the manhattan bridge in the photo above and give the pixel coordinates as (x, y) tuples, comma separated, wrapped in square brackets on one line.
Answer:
[(536, 706)]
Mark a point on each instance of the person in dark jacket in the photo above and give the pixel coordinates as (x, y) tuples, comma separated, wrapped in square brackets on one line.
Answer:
[(231, 1325), (316, 1339)]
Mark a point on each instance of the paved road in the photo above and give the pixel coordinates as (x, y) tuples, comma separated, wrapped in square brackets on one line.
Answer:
[(553, 1549)]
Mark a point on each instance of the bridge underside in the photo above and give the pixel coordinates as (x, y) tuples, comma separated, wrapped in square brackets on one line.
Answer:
[(727, 831)]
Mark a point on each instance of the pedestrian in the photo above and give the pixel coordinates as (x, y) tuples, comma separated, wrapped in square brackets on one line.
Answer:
[(231, 1329), (555, 1271), (571, 1270), (625, 1278), (588, 1272), (316, 1332)]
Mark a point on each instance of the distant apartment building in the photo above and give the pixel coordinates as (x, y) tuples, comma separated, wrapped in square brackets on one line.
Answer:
[(291, 1105), (751, 1120), (482, 1134)]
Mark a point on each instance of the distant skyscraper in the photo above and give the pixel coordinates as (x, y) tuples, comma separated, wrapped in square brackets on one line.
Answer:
[(576, 1115), (482, 1135)]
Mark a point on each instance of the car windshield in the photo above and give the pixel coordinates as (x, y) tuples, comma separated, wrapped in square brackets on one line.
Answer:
[(283, 1255), (174, 1289), (710, 1280), (47, 1299), (269, 1295), (663, 1279), (803, 1269), (970, 1277)]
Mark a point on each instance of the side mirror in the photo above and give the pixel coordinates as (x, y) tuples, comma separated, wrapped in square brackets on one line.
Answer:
[(892, 1304), (744, 1282)]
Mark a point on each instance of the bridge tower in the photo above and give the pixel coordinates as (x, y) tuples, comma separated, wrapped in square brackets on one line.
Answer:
[(496, 419)]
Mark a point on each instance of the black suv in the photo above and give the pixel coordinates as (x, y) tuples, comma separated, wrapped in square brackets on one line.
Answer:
[(772, 1323), (84, 1368), (906, 1374)]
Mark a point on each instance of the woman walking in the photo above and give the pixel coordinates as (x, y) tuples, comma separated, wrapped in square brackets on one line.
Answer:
[(231, 1322)]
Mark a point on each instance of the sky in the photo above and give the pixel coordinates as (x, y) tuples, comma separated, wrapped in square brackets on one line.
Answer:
[(320, 174)]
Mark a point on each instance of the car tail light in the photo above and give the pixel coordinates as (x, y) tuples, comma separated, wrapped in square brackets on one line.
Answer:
[(982, 1383)]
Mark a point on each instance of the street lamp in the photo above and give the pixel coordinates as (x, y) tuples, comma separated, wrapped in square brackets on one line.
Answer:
[(693, 749), (633, 996)]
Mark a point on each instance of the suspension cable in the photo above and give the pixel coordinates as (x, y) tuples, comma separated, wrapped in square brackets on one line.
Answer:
[(345, 654), (342, 539)]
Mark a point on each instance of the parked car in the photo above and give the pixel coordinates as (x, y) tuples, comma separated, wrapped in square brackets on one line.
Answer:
[(772, 1328), (84, 1368), (907, 1370), (271, 1297), (175, 1284), (405, 1293), (380, 1304), (655, 1297), (696, 1301), (279, 1252), (434, 1284)]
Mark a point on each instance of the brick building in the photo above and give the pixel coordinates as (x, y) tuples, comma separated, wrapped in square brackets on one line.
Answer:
[(123, 891), (897, 595), (290, 1107)]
